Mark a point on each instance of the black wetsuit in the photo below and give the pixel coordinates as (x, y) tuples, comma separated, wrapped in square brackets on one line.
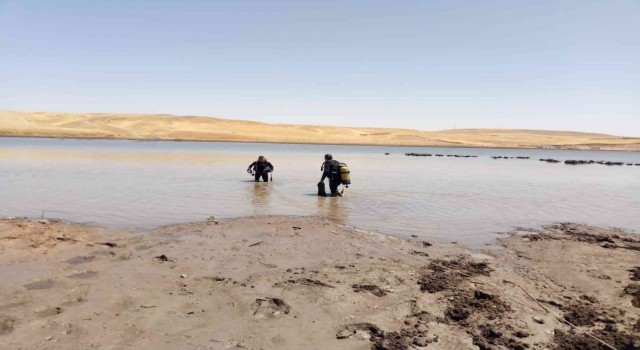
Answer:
[(261, 169), (332, 171)]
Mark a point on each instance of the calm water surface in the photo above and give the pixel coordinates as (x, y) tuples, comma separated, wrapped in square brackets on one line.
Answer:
[(146, 184)]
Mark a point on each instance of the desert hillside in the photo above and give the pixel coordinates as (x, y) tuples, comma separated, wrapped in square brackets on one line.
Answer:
[(169, 127)]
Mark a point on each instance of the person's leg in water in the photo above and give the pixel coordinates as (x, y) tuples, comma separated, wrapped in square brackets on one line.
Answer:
[(265, 177), (257, 177), (333, 186)]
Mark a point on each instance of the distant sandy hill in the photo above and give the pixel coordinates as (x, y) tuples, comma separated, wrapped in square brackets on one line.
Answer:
[(169, 127)]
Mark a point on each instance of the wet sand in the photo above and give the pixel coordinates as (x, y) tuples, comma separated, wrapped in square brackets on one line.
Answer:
[(308, 283)]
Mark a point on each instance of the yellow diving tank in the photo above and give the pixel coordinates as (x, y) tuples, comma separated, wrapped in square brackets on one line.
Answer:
[(345, 176)]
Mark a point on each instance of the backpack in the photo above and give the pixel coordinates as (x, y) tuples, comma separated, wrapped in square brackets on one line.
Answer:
[(334, 169)]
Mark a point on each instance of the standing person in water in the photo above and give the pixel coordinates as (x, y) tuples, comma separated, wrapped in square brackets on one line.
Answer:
[(331, 169), (261, 168)]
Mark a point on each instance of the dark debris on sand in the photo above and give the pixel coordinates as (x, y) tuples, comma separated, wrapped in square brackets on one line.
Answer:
[(580, 314), (572, 339), (464, 304), (405, 339), (635, 273), (633, 289), (488, 336), (580, 233), (304, 281), (443, 274)]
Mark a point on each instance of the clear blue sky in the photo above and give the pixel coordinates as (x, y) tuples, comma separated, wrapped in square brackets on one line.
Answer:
[(563, 65)]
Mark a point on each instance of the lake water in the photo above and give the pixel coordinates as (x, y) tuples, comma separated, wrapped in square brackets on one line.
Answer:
[(146, 184)]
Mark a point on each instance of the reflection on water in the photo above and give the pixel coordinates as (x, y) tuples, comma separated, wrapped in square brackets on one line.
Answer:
[(145, 184), (260, 198), (334, 208)]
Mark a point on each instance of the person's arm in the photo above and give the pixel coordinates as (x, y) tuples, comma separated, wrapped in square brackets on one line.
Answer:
[(270, 166), (251, 166), (325, 172)]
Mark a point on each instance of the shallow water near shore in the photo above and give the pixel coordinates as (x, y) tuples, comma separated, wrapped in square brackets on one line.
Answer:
[(146, 184)]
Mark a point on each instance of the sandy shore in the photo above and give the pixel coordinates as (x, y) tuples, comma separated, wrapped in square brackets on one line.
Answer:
[(308, 283), (191, 128)]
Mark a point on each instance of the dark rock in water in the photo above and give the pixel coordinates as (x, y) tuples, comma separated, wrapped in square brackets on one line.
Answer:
[(550, 160), (439, 155), (386, 154), (576, 162), (629, 164), (613, 163)]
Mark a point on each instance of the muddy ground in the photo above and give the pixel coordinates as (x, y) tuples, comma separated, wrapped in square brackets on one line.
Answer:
[(308, 283)]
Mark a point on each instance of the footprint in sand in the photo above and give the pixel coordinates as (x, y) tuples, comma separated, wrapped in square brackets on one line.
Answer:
[(270, 307), (39, 285), (371, 288), (80, 260), (365, 331), (83, 275), (6, 324), (49, 311)]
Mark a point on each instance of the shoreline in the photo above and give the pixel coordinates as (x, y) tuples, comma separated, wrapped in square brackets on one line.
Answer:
[(280, 282), (562, 148)]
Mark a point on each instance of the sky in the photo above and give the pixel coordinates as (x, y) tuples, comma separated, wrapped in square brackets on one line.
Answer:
[(430, 65)]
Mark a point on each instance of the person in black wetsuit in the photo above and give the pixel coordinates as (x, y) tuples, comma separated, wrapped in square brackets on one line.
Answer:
[(262, 167), (331, 169)]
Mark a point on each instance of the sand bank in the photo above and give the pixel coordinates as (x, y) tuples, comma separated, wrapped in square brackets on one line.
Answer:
[(191, 128), (308, 283)]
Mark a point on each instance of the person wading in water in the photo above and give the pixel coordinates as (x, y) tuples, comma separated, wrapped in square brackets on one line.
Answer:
[(261, 168), (331, 169)]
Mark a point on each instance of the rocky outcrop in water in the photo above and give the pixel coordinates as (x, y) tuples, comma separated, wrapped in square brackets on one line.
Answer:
[(504, 157), (438, 155), (548, 160)]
